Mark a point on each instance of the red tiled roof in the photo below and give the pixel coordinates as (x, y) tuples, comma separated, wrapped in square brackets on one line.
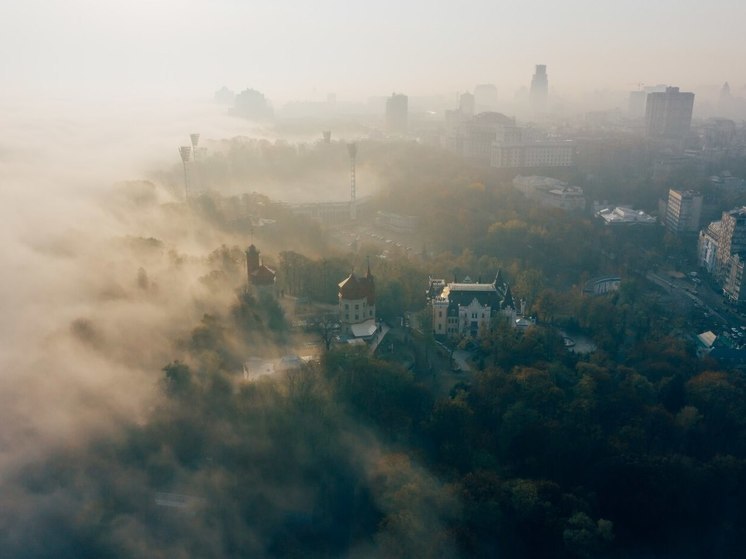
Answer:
[(354, 287)]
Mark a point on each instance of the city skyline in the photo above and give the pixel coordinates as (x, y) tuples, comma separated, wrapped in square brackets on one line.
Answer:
[(150, 48)]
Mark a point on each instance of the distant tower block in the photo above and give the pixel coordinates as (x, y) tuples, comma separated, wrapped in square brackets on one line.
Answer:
[(327, 136), (185, 152), (539, 88), (352, 151)]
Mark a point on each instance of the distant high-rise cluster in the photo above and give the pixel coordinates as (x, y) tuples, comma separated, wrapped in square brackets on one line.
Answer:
[(539, 88), (638, 99), (668, 114), (397, 113)]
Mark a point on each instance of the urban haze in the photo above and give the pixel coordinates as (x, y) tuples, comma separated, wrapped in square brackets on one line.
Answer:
[(347, 279)]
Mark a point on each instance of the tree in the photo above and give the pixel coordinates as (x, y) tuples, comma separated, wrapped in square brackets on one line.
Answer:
[(325, 326)]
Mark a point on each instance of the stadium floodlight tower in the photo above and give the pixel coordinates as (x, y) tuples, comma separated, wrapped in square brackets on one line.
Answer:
[(196, 174), (185, 152), (194, 137), (352, 151)]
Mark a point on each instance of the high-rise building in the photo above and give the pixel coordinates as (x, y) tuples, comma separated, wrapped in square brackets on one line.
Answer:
[(397, 113), (725, 103), (466, 104), (539, 88), (733, 284), (732, 239), (668, 114), (708, 246), (638, 99), (683, 211)]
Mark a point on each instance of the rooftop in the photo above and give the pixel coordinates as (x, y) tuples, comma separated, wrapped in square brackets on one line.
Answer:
[(622, 214)]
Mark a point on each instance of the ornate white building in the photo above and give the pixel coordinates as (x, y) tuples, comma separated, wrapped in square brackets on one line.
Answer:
[(467, 308)]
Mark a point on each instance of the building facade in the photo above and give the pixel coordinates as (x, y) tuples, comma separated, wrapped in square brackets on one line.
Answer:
[(732, 240), (357, 305), (733, 287), (397, 113), (708, 246), (260, 277), (683, 211), (528, 155), (668, 114), (539, 92), (466, 309)]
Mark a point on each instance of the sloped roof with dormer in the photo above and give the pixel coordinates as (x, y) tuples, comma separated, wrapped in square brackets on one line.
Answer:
[(354, 287)]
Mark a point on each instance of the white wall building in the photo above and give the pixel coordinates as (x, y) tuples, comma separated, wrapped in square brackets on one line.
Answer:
[(357, 305), (466, 308)]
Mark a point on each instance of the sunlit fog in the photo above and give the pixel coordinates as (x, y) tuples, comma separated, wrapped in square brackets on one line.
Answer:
[(347, 279)]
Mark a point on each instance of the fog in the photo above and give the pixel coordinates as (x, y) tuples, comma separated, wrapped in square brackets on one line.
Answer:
[(80, 339), (107, 272), (300, 51), (104, 281)]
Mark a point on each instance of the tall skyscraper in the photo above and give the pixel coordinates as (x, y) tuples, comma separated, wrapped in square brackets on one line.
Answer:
[(397, 109), (668, 114), (638, 99), (725, 103), (539, 88)]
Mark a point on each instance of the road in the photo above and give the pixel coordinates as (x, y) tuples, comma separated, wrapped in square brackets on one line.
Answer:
[(675, 287)]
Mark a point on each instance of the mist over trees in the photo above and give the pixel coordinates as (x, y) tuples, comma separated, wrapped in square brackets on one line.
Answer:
[(636, 450), (545, 455)]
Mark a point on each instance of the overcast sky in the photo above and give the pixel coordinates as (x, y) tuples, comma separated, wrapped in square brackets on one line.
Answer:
[(298, 50)]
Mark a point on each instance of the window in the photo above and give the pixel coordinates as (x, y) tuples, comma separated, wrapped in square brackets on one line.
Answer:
[(347, 316), (357, 307), (347, 306), (474, 315), (440, 314), (357, 317)]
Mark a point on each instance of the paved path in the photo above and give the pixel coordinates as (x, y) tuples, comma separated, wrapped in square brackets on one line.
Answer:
[(379, 337)]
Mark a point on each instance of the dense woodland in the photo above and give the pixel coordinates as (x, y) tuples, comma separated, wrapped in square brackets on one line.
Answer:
[(637, 450), (544, 454)]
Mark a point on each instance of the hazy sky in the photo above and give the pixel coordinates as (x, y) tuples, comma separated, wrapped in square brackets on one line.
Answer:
[(293, 50)]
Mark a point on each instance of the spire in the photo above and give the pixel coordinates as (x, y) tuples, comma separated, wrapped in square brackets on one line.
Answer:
[(368, 274), (499, 280), (252, 261)]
